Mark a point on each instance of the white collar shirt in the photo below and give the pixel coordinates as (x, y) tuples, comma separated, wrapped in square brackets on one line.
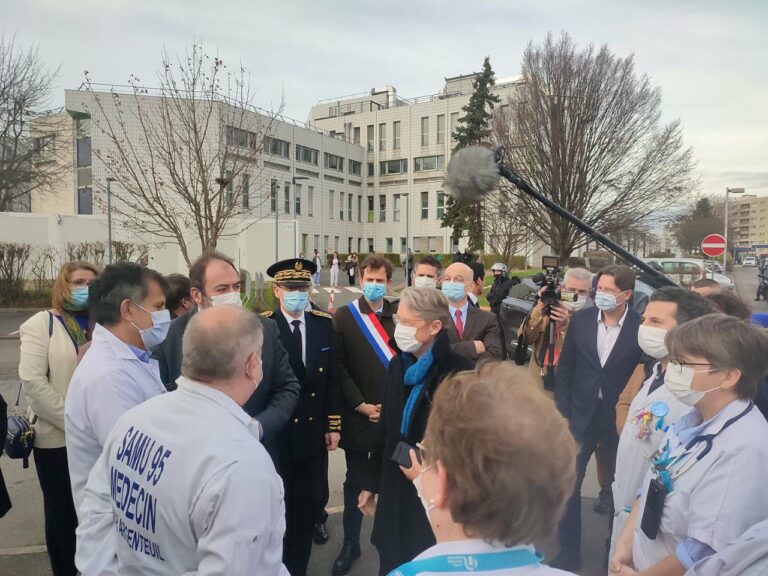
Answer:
[(203, 501), (109, 381), (608, 335), (464, 311)]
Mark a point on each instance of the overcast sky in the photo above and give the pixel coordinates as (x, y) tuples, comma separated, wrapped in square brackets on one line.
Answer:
[(710, 58)]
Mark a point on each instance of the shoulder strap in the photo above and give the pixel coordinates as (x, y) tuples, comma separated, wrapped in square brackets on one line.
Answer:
[(50, 324), (18, 396)]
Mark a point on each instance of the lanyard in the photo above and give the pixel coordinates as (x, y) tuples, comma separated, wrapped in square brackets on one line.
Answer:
[(484, 562), (664, 462)]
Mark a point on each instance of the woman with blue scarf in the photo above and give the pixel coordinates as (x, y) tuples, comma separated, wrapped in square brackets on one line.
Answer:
[(401, 529)]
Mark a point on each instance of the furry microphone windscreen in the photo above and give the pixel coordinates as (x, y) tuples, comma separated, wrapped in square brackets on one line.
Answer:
[(472, 173)]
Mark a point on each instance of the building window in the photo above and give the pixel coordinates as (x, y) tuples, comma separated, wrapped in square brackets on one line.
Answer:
[(403, 245), (317, 242), (428, 163), (396, 135), (330, 205), (341, 206), (245, 190), (306, 155), (393, 167), (335, 243), (370, 169), (45, 144), (350, 199), (440, 205), (287, 197), (277, 147), (382, 137), (333, 162), (84, 151), (297, 199), (304, 242), (454, 124), (369, 135), (326, 244), (382, 208), (311, 200), (389, 246), (356, 135), (360, 209), (396, 208), (370, 245), (370, 209), (273, 196), (84, 177), (230, 187), (425, 130), (355, 167), (441, 129), (85, 201), (424, 205)]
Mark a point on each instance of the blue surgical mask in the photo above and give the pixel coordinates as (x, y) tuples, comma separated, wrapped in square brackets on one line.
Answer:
[(154, 336), (79, 297), (605, 301), (373, 291), (295, 301), (454, 291)]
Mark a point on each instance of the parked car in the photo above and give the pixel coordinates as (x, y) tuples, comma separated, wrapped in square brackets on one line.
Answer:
[(685, 271), (750, 261)]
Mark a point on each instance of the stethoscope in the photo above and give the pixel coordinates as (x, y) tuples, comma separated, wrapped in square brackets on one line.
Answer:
[(663, 462)]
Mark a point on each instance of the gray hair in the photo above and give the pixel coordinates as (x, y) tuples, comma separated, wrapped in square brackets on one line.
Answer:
[(218, 341), (429, 304), (580, 274)]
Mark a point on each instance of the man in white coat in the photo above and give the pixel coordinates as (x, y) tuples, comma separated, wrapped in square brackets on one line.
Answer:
[(654, 407), (184, 486)]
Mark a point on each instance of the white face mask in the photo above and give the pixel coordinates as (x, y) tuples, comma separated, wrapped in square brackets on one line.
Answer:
[(651, 340), (678, 379), (424, 282), (429, 505), (230, 298), (574, 306), (405, 337)]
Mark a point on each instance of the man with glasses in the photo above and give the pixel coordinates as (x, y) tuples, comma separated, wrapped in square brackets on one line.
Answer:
[(599, 355), (314, 427)]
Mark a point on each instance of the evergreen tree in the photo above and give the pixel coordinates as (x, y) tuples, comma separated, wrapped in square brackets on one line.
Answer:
[(472, 129)]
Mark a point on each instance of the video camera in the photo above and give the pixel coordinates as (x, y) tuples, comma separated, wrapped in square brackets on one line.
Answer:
[(550, 281)]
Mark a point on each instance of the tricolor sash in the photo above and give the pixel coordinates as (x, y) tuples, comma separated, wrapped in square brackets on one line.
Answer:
[(374, 332)]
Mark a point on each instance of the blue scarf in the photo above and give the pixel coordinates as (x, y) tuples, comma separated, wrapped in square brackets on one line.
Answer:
[(414, 379)]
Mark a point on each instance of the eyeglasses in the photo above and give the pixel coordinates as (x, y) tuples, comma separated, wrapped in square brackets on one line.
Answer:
[(420, 452)]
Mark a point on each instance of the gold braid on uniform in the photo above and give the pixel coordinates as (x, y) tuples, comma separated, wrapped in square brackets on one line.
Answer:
[(322, 314), (268, 313), (334, 423)]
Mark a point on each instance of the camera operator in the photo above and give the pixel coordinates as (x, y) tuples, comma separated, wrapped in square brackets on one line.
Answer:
[(577, 281)]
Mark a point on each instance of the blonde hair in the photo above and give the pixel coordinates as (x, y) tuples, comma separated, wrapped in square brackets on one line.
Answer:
[(61, 292), (508, 454)]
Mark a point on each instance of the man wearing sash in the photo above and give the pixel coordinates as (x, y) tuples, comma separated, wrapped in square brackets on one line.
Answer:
[(363, 330)]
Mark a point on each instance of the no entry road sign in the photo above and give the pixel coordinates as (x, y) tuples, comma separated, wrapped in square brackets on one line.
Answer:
[(713, 245)]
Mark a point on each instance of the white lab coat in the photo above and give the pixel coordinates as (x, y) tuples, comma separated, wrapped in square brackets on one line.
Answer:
[(720, 496), (183, 487), (746, 556), (478, 546), (633, 459), (109, 381)]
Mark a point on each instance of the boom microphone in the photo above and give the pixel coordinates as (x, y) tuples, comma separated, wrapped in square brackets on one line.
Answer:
[(472, 173)]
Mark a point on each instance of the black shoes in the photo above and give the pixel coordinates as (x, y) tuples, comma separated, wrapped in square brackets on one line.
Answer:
[(349, 553), (567, 562), (321, 533), (604, 502)]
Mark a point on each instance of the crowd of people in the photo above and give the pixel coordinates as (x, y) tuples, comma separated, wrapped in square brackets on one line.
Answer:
[(178, 432)]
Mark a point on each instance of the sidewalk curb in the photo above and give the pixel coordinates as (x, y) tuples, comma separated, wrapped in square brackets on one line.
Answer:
[(23, 550)]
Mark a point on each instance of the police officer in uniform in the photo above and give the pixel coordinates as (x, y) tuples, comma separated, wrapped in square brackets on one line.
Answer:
[(315, 425)]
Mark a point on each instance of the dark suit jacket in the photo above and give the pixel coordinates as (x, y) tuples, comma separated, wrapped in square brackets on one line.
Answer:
[(319, 407), (5, 501), (276, 397), (360, 372), (480, 325), (580, 376)]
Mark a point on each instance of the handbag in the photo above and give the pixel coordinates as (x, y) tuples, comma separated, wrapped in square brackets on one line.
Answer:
[(20, 436)]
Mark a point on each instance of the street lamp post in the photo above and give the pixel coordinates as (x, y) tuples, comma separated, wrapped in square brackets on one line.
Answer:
[(407, 232), (725, 229), (109, 216)]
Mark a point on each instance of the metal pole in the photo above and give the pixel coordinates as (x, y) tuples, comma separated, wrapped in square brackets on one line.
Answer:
[(109, 217), (277, 221), (725, 234), (407, 233)]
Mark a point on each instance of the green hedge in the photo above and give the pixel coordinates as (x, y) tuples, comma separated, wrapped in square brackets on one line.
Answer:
[(394, 258)]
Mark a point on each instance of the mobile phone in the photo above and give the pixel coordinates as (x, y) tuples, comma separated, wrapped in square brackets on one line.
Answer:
[(654, 508), (402, 454)]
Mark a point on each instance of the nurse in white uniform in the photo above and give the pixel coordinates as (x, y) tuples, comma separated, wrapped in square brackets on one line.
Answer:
[(497, 466), (654, 407), (184, 486), (706, 486)]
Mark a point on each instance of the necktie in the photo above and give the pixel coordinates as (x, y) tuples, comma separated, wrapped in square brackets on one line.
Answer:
[(296, 360), (459, 324)]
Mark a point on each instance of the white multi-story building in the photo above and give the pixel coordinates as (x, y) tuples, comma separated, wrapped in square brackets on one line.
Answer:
[(407, 145)]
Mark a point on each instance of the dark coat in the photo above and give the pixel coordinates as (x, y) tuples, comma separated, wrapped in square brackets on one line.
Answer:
[(499, 290), (480, 325), (360, 372), (276, 397), (580, 377), (5, 500), (319, 407), (401, 529)]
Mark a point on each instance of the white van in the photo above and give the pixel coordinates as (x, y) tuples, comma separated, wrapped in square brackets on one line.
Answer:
[(685, 271)]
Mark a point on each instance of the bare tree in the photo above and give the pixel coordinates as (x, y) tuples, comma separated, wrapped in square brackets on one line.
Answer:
[(585, 129), (25, 89), (505, 232), (185, 155)]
